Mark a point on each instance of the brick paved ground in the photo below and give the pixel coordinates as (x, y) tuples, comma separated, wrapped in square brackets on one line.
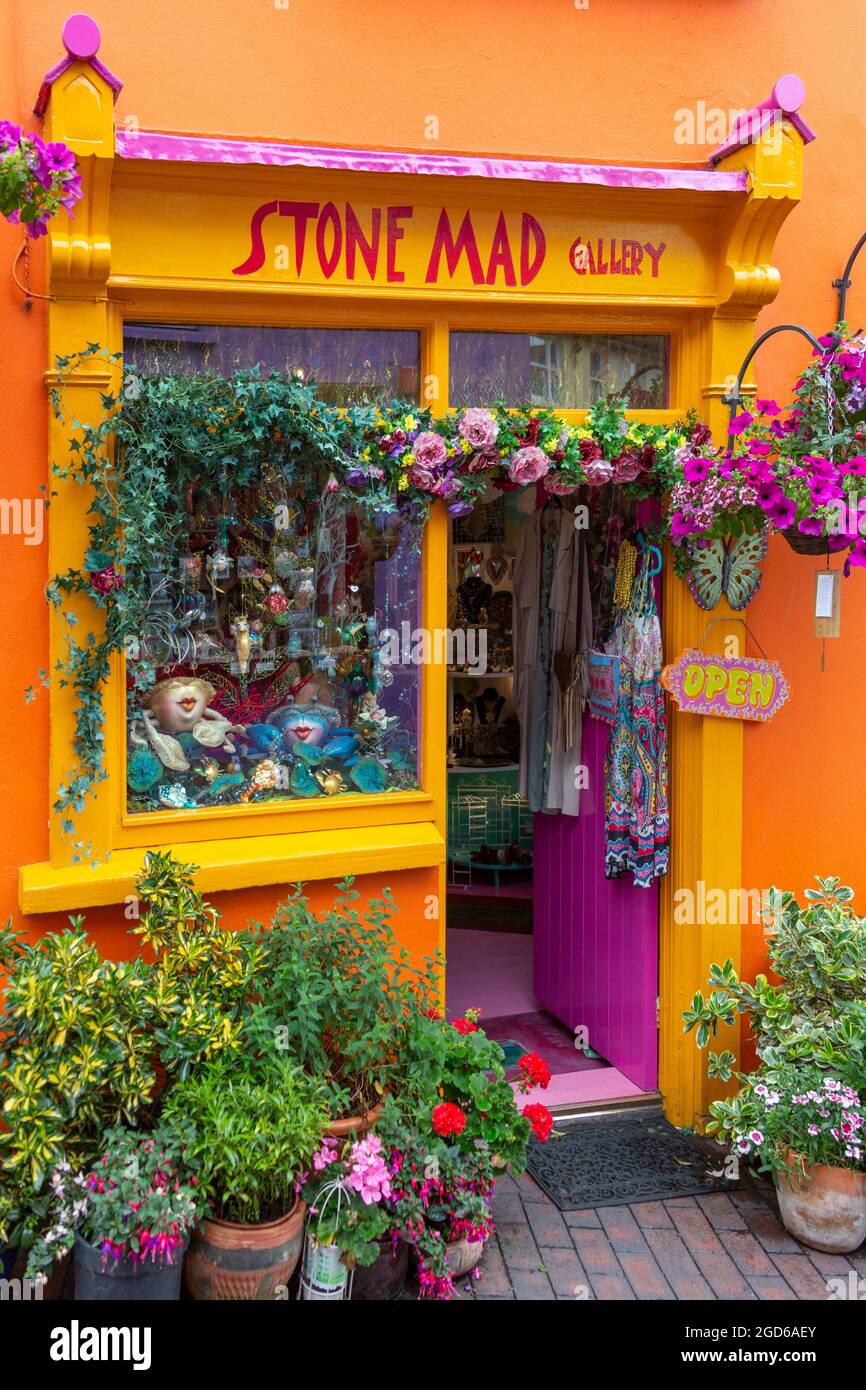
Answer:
[(715, 1247)]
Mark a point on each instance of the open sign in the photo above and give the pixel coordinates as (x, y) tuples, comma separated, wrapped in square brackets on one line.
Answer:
[(732, 687)]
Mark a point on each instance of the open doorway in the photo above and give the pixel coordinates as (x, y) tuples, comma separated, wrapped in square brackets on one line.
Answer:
[(558, 959)]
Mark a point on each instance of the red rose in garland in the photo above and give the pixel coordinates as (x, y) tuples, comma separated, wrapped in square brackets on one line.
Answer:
[(106, 581), (540, 1120), (448, 1119)]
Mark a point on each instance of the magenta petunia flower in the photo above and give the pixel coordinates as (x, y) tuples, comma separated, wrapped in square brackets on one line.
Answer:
[(769, 493), (856, 465), (696, 469), (782, 513), (766, 407), (741, 422), (811, 526)]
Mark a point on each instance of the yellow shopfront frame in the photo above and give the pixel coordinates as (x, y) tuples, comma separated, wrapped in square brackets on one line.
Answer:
[(133, 253)]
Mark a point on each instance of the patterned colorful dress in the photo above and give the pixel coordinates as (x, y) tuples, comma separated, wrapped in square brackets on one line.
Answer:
[(637, 821)]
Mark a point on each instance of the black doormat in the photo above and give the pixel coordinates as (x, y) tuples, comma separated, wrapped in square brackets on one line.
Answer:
[(623, 1158)]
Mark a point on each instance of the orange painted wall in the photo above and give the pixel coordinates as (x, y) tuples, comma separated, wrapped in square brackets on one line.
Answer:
[(506, 76)]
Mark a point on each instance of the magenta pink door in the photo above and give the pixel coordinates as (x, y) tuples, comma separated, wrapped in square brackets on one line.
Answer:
[(595, 941)]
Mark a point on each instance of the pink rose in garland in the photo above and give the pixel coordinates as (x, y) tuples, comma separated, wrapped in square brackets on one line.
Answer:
[(484, 459), (598, 472), (527, 465), (429, 450), (429, 453), (478, 428)]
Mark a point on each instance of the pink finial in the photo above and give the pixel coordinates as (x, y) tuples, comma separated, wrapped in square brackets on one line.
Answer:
[(81, 37), (788, 93)]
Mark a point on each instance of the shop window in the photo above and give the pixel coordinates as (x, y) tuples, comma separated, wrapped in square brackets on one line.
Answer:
[(267, 668), (569, 371), (348, 364)]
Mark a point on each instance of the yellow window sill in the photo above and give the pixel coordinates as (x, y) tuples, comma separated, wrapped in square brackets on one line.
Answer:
[(244, 862)]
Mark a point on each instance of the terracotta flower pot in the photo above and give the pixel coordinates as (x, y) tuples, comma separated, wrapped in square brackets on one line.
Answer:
[(826, 1209), (354, 1124), (463, 1255), (383, 1280), (229, 1260)]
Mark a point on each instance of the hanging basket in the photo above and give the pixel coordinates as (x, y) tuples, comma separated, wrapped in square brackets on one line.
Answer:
[(806, 545)]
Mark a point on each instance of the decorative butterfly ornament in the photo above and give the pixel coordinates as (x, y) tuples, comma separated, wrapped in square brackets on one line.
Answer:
[(731, 567)]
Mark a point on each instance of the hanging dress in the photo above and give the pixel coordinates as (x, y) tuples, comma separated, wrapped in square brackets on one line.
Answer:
[(637, 820)]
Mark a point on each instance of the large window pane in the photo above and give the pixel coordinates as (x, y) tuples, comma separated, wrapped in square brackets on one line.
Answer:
[(566, 370), (262, 672), (348, 364)]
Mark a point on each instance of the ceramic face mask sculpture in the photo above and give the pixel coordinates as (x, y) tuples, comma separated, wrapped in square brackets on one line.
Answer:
[(178, 704)]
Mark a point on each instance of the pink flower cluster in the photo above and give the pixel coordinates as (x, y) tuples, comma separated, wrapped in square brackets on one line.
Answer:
[(368, 1173)]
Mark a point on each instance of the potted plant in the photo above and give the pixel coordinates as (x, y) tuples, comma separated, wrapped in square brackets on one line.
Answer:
[(337, 994), (800, 1115), (255, 1126), (440, 1205), (346, 1193), (807, 1128), (129, 1219)]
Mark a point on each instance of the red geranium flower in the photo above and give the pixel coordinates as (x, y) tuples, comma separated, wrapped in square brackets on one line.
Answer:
[(464, 1026), (534, 1071), (540, 1120), (448, 1119)]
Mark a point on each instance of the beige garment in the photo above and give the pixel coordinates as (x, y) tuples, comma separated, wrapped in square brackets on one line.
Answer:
[(525, 618), (563, 792)]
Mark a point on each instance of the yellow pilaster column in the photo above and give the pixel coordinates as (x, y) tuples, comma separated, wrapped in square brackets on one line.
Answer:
[(79, 111), (706, 754)]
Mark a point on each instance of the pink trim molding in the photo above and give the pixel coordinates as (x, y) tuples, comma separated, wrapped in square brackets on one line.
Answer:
[(195, 149)]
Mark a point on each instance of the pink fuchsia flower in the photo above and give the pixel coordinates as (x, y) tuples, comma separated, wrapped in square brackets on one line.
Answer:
[(598, 472), (696, 469), (527, 465), (429, 450), (478, 428), (782, 513)]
